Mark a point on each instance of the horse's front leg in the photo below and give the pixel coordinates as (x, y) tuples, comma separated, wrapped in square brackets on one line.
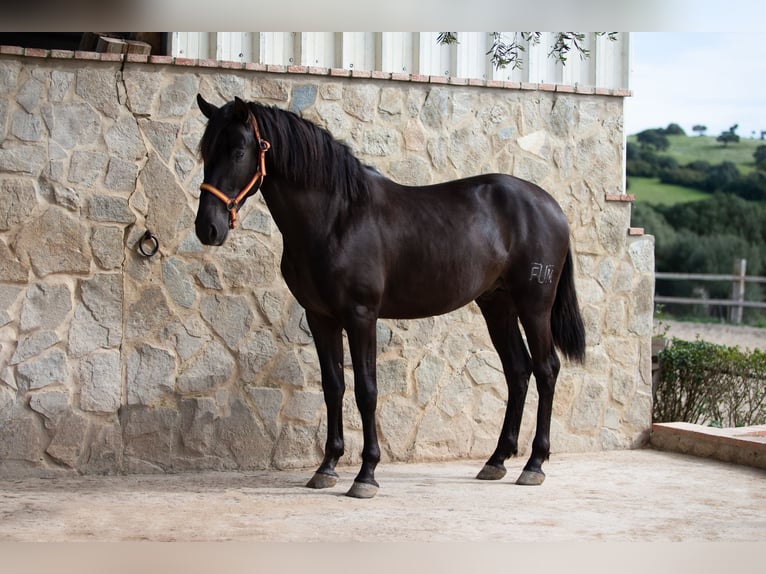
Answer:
[(329, 345), (360, 328)]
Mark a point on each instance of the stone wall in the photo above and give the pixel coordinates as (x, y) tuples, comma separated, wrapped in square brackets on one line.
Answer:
[(199, 358)]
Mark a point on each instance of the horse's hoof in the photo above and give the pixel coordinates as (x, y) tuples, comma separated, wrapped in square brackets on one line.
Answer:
[(362, 490), (322, 480), (530, 478), (491, 472)]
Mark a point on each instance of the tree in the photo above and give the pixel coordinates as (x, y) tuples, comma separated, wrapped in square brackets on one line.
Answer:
[(729, 136), (721, 175), (507, 51), (653, 139), (674, 130), (760, 156), (700, 129)]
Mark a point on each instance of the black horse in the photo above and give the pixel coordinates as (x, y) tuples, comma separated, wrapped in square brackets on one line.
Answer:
[(358, 246)]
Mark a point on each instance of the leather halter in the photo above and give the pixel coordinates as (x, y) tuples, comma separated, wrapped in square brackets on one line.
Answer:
[(232, 205)]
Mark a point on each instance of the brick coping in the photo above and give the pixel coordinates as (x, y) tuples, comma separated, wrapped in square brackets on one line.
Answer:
[(307, 70)]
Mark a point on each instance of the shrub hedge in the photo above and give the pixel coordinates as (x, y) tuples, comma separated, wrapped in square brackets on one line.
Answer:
[(710, 384)]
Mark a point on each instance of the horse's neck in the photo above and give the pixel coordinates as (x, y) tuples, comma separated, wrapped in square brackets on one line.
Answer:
[(302, 215)]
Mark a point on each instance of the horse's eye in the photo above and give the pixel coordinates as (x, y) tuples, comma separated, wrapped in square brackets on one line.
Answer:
[(239, 154)]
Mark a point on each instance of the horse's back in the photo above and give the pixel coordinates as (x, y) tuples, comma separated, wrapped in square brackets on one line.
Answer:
[(446, 244)]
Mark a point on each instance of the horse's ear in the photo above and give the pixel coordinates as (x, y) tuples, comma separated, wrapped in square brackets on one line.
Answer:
[(205, 107), (241, 110)]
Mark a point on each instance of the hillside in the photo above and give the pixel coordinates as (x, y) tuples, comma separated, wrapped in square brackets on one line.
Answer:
[(705, 204), (685, 150)]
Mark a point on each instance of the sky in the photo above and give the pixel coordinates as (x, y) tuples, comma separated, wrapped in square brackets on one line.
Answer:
[(709, 78)]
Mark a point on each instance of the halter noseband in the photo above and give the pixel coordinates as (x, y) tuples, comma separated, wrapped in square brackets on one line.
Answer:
[(232, 205)]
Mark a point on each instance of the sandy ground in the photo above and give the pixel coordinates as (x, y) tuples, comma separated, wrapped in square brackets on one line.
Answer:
[(639, 495), (721, 334)]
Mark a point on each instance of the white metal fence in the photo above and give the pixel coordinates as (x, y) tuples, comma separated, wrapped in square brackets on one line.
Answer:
[(414, 53)]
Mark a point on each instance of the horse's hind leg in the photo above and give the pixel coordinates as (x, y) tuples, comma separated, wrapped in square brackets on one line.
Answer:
[(545, 366), (502, 323), (329, 345)]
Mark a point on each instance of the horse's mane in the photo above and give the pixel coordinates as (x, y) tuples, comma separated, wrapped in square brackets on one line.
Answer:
[(301, 152)]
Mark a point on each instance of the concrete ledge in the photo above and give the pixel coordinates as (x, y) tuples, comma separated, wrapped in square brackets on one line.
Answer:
[(745, 445)]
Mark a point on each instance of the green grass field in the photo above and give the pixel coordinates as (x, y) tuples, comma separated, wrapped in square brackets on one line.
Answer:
[(650, 190), (686, 149)]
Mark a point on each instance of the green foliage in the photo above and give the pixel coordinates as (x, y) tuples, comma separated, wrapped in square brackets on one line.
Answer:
[(706, 237), (507, 50), (759, 155), (728, 175), (700, 129), (704, 383), (675, 130), (651, 192), (727, 137), (654, 139)]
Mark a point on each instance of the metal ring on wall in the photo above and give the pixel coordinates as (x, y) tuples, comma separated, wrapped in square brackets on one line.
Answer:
[(151, 239)]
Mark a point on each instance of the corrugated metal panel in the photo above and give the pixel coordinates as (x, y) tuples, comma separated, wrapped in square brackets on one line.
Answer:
[(416, 53)]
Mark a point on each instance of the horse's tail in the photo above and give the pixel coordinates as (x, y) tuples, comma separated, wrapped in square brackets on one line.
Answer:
[(566, 321)]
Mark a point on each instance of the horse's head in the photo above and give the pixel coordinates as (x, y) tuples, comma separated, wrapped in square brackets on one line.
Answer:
[(233, 154)]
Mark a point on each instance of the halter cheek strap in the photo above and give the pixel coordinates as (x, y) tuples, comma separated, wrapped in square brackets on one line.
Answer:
[(232, 205)]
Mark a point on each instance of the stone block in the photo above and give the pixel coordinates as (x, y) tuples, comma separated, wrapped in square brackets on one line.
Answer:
[(229, 316), (169, 214), (435, 111), (30, 93), (55, 242), (187, 337), (51, 368), (103, 296), (61, 81), (45, 306), (589, 405), (86, 167), (98, 86), (268, 405), (26, 127), (161, 135), (66, 197), (150, 436), (298, 446), (107, 246), (428, 374), (149, 314), (213, 367), (397, 420), (142, 88), (9, 75), (123, 139), (392, 376), (101, 382), (178, 282), (303, 406), (69, 439), (24, 159), (22, 438), (455, 395), (33, 344), (245, 438), (177, 97), (51, 403), (151, 375), (72, 125), (485, 368), (255, 352), (8, 296), (302, 98), (104, 454)]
